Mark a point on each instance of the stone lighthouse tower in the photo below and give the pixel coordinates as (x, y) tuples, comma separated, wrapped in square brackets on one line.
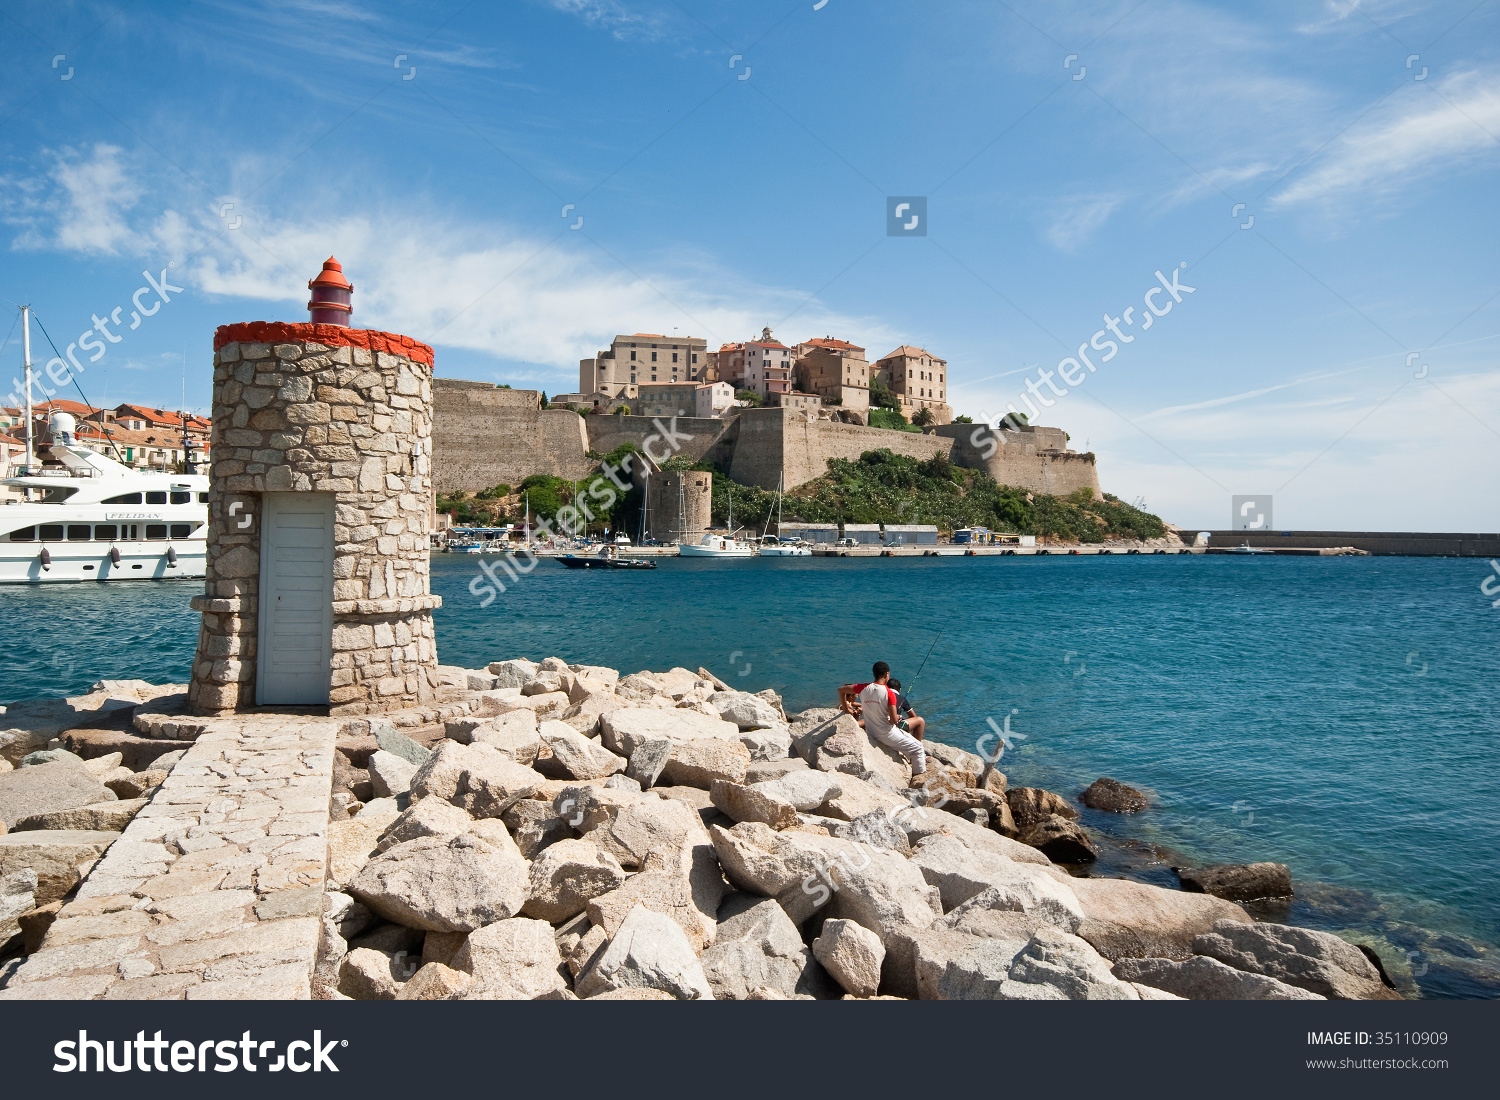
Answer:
[(317, 581)]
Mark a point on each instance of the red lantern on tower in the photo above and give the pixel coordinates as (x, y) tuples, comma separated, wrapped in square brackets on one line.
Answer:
[(332, 296)]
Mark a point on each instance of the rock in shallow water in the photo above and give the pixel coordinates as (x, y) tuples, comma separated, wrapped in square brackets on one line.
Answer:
[(1238, 881), (1204, 979), (1316, 961), (1109, 794)]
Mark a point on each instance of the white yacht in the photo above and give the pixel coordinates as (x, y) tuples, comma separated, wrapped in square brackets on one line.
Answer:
[(96, 519), (716, 546), (773, 547)]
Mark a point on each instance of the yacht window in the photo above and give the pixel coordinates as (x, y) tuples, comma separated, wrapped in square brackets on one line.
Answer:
[(181, 530), (202, 498), (182, 498), (156, 498), (124, 498), (156, 530), (58, 495), (134, 532), (51, 532), (79, 532), (25, 534), (105, 532)]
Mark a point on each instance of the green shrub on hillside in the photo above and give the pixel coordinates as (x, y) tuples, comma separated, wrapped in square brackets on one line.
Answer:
[(882, 487)]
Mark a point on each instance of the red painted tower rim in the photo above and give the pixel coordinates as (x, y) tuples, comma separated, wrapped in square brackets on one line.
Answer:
[(331, 275)]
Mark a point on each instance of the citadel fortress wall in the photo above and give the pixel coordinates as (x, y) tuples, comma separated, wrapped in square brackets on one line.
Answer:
[(484, 435)]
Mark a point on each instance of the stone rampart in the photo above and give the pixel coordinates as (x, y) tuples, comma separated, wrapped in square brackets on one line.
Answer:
[(486, 435)]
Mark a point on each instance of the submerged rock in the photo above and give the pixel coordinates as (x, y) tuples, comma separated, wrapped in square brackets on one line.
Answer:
[(1109, 794), (1238, 881)]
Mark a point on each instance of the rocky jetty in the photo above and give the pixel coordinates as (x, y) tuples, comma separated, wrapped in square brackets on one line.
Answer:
[(560, 831)]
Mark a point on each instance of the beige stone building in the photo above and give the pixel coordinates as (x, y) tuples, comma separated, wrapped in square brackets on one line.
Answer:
[(918, 380), (726, 365), (836, 371), (807, 402), (666, 399), (641, 358)]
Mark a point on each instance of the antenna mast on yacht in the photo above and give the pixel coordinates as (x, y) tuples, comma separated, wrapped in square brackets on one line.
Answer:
[(26, 357)]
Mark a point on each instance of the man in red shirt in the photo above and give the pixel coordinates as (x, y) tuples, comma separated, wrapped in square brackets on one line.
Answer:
[(877, 705)]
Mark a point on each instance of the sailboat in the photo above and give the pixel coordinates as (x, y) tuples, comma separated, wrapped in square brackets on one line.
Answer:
[(773, 546)]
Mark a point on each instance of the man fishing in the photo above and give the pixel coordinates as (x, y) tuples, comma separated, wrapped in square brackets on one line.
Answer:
[(876, 703), (909, 720)]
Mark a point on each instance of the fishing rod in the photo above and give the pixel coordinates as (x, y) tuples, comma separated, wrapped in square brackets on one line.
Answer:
[(923, 665)]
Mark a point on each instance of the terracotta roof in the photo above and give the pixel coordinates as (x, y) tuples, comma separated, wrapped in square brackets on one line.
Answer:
[(58, 404), (650, 335), (772, 344), (910, 352), (830, 342), (730, 347)]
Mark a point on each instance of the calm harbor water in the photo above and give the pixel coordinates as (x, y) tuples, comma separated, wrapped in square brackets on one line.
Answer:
[(1336, 714)]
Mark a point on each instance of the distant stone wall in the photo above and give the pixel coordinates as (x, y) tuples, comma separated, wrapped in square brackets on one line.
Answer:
[(485, 435), (691, 435)]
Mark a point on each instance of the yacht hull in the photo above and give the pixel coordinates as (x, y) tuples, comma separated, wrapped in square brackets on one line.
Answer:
[(92, 562)]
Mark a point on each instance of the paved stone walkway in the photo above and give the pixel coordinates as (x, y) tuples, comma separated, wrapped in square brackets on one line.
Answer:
[(214, 890)]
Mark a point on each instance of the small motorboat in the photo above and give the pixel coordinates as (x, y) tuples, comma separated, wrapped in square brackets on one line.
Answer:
[(1244, 548), (606, 558)]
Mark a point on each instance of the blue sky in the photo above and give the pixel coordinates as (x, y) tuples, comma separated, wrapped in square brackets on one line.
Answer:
[(715, 205)]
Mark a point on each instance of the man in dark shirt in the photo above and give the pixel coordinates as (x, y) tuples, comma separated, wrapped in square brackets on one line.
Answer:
[(909, 720)]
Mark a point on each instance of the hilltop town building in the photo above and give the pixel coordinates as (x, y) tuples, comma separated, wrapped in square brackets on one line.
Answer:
[(727, 364), (715, 399), (808, 402), (918, 380), (641, 358), (836, 371), (768, 366), (666, 399)]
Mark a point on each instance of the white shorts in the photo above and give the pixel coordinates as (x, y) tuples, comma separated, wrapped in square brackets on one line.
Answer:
[(908, 746)]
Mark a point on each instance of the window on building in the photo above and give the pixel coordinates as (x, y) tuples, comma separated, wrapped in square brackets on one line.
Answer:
[(695, 357), (674, 357), (653, 357), (632, 355)]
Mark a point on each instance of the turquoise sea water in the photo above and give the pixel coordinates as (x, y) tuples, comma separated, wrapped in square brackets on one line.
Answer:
[(1339, 715)]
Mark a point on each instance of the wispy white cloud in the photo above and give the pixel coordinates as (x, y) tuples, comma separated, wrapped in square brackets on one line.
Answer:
[(1080, 217), (1447, 126), (83, 209), (619, 19), (484, 286)]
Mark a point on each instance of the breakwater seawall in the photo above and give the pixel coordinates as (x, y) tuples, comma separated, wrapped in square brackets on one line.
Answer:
[(1410, 543)]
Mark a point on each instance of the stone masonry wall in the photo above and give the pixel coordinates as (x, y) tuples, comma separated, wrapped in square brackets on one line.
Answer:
[(330, 410), (485, 435)]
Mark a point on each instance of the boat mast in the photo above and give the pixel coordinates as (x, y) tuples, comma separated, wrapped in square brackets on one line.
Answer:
[(645, 504), (26, 358)]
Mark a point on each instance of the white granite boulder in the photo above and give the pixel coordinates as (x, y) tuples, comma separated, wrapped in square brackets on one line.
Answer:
[(510, 960), (649, 951), (444, 884), (852, 954), (566, 876)]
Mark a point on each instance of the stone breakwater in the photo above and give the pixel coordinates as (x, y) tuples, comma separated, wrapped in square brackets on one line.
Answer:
[(557, 831)]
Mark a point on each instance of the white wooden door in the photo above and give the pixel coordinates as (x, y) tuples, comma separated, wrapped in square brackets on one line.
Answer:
[(294, 651)]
